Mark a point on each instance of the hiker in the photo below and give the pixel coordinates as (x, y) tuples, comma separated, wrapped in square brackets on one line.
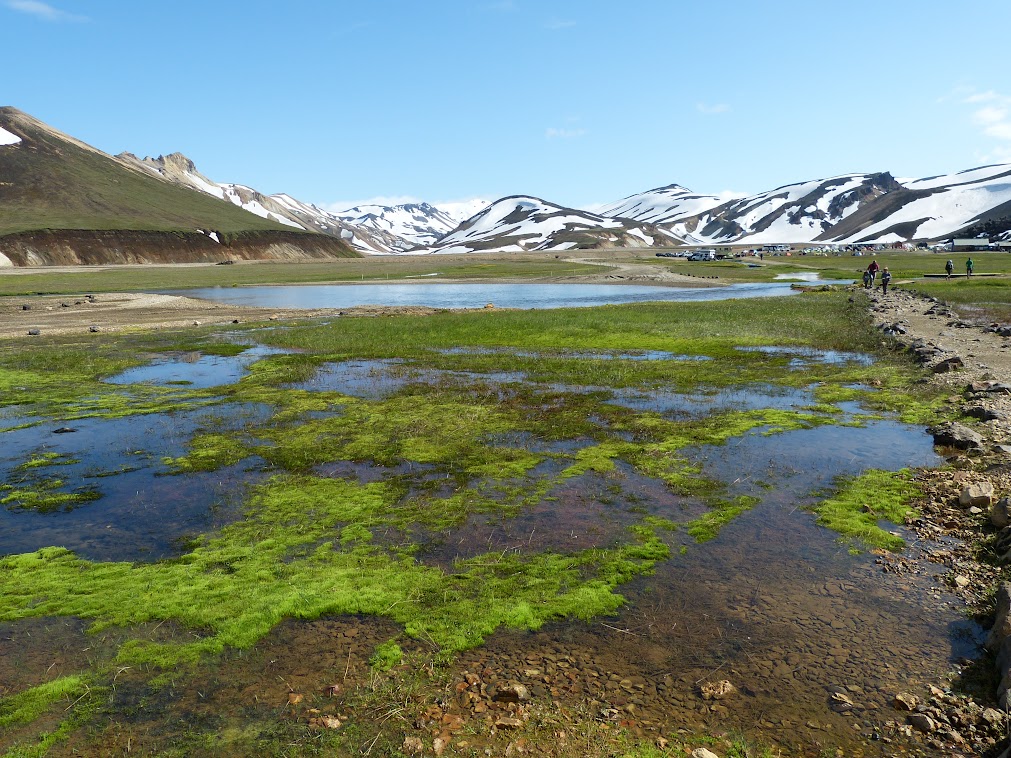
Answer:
[(873, 268), (867, 280), (968, 267), (885, 278), (949, 267)]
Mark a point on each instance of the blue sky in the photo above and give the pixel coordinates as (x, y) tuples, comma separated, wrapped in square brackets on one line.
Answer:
[(575, 101)]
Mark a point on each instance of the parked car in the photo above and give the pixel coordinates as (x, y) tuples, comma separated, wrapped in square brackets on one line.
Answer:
[(703, 255)]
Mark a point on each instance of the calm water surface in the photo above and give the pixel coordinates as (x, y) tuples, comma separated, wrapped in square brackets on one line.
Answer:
[(475, 295)]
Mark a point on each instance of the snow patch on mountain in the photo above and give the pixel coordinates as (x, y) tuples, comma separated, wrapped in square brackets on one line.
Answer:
[(461, 210), (8, 138), (663, 205), (249, 199)]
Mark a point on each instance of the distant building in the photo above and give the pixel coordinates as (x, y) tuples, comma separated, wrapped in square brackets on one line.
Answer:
[(968, 245)]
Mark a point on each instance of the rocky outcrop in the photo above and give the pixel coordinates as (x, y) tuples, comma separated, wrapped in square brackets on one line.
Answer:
[(104, 247), (954, 434)]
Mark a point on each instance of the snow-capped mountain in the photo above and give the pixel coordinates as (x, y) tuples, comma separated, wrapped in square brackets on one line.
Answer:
[(845, 209), (663, 205), (800, 212), (419, 223), (520, 223), (935, 207), (841, 209), (368, 229)]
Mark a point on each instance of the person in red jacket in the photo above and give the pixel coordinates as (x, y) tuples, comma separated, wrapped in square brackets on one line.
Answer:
[(873, 268)]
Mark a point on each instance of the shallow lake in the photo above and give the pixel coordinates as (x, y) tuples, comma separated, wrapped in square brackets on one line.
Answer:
[(775, 603), (506, 295)]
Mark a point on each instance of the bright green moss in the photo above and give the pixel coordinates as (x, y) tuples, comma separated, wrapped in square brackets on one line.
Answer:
[(708, 525), (209, 452), (386, 656), (27, 706), (861, 503), (43, 460)]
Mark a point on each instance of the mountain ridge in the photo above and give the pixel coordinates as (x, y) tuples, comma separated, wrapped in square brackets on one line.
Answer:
[(66, 198), (49, 180)]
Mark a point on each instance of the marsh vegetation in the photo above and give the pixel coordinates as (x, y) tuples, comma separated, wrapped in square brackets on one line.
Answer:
[(389, 501)]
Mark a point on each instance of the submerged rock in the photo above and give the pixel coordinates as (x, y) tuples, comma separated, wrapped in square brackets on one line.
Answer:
[(717, 690)]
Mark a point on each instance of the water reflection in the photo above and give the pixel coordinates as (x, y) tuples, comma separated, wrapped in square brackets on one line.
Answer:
[(142, 514), (504, 295), (194, 369)]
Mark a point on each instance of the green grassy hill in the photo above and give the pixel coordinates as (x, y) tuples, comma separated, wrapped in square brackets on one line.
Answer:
[(52, 181)]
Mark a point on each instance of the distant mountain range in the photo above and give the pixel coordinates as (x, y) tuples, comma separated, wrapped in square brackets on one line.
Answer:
[(847, 209), (50, 181)]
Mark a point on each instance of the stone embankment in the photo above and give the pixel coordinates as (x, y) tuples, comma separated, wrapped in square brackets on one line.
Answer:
[(969, 500)]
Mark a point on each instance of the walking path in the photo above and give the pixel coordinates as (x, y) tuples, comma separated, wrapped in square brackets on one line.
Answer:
[(967, 499)]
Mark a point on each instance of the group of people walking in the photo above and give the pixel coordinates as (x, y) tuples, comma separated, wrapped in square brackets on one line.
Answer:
[(949, 267), (871, 273)]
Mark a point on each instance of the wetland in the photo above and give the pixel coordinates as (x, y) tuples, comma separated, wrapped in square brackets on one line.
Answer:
[(469, 530)]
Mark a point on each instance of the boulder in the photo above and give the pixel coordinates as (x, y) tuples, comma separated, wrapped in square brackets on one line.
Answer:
[(1002, 545), (996, 719), (905, 702), (946, 365), (983, 413), (954, 434), (1002, 624), (701, 752), (921, 722), (980, 495), (1004, 672), (1000, 513), (514, 692)]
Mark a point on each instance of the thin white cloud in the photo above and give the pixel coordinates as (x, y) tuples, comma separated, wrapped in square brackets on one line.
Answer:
[(993, 116), (984, 97), (989, 115), (710, 109), (559, 24), (553, 133), (1000, 131), (42, 11)]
